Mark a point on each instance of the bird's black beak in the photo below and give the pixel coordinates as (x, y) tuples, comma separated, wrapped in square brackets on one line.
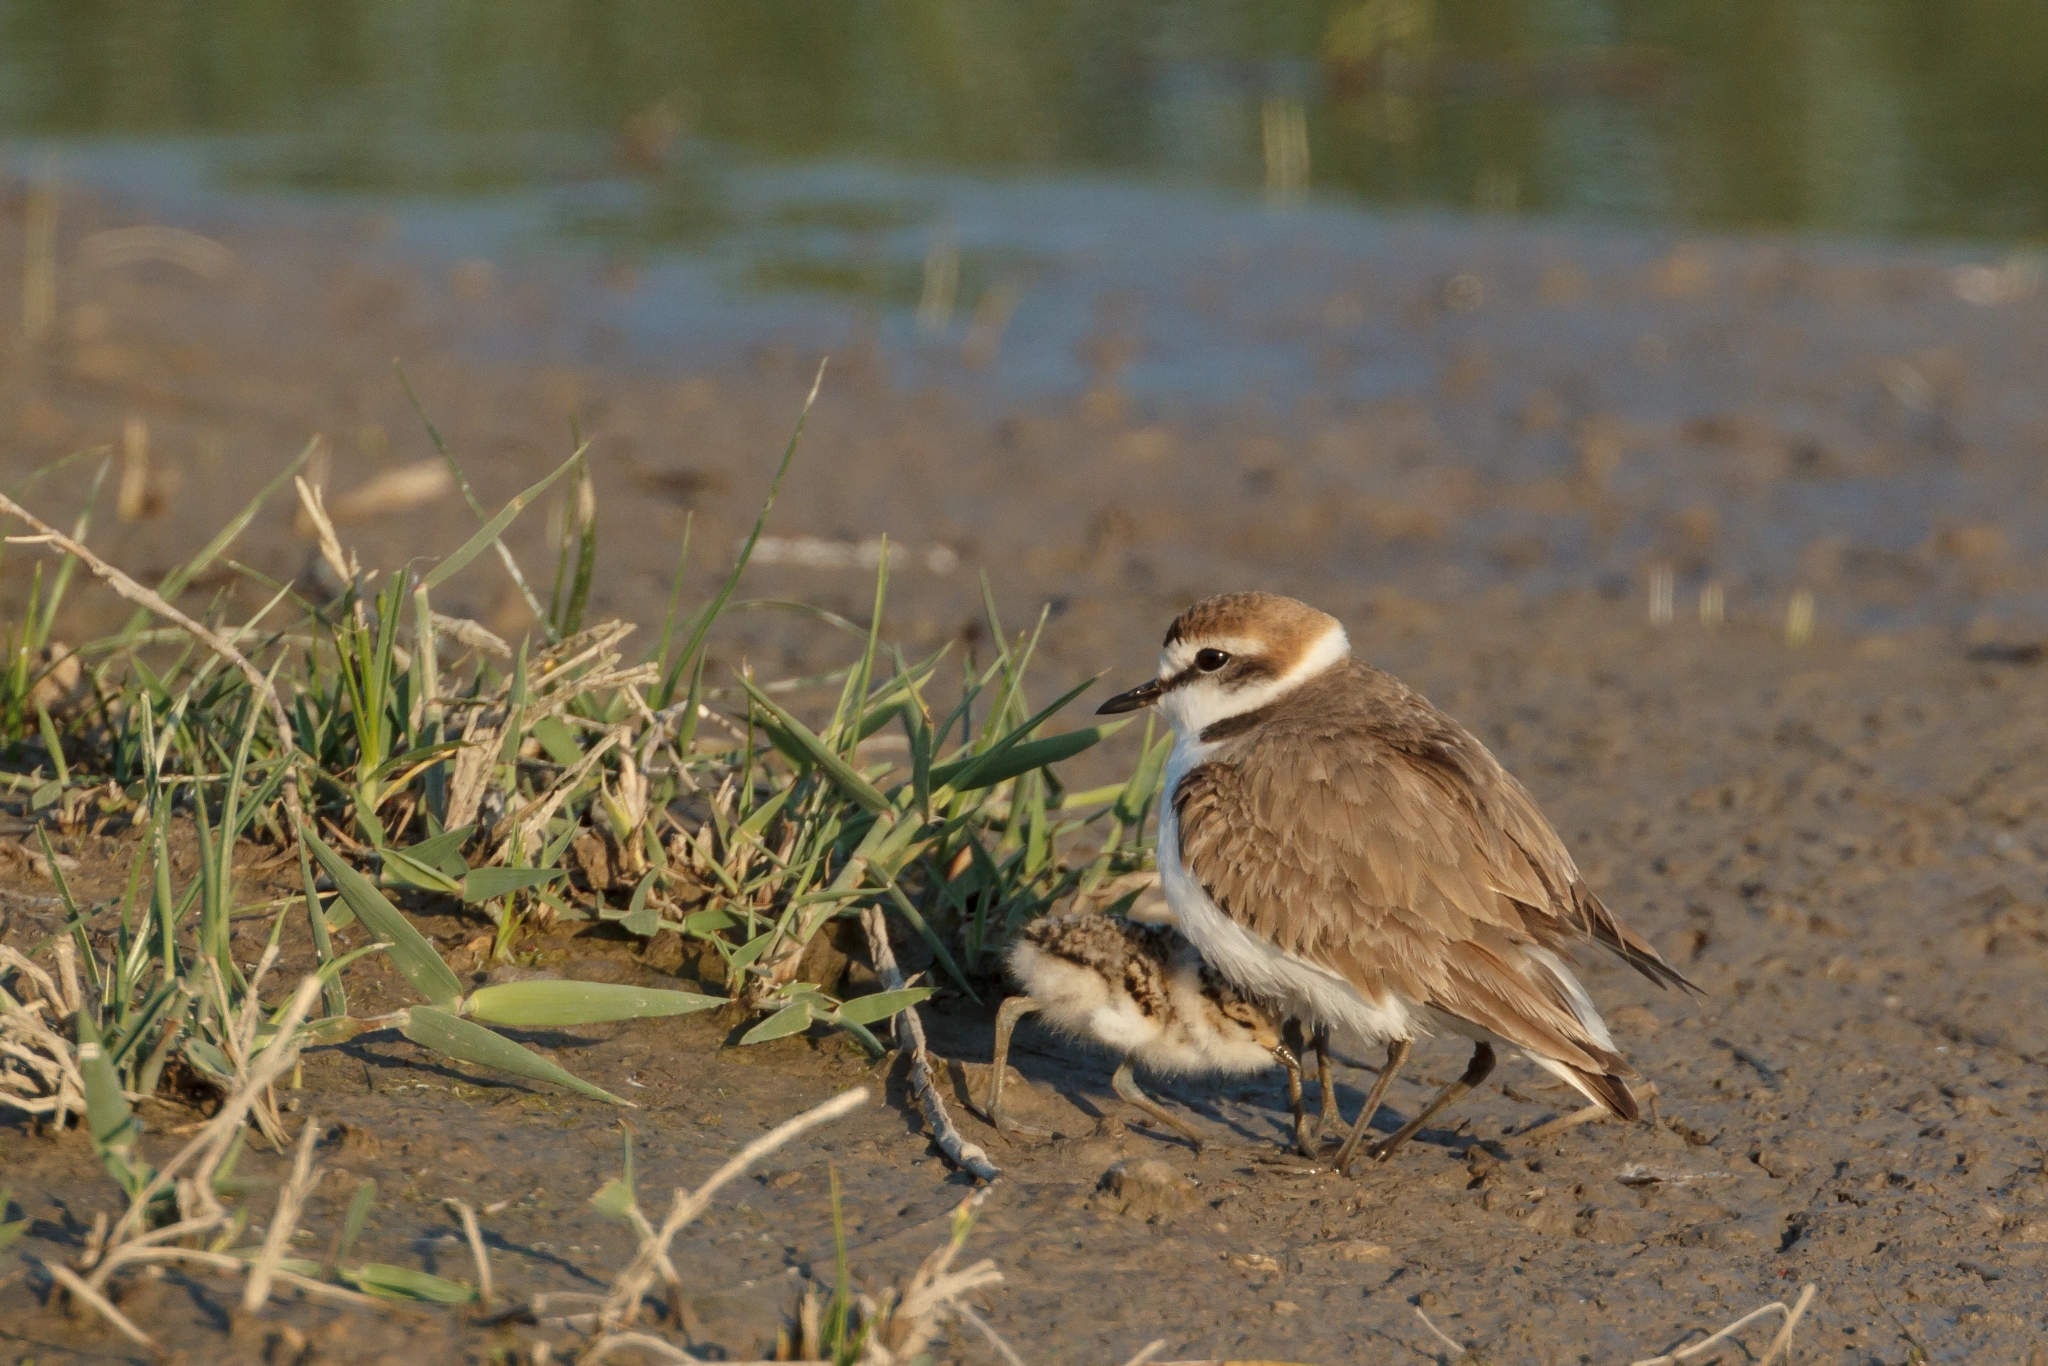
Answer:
[(1144, 695)]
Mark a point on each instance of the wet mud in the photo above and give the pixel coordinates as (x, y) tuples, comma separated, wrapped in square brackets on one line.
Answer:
[(1841, 840)]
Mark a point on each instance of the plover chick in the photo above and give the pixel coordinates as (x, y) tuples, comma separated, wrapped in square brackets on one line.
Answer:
[(1335, 845), (1144, 993)]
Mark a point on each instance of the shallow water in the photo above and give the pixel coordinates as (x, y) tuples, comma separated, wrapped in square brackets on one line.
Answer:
[(1497, 230), (1861, 118), (927, 172)]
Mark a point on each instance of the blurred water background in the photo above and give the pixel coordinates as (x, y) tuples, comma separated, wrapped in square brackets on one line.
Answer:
[(917, 159), (1853, 116), (1732, 292)]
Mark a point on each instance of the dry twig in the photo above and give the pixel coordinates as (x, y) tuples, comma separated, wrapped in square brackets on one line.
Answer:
[(969, 1157)]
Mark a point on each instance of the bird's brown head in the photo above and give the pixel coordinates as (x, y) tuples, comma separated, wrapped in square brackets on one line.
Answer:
[(1233, 654)]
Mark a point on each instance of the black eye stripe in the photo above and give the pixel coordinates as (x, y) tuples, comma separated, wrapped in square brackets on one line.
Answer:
[(1241, 670)]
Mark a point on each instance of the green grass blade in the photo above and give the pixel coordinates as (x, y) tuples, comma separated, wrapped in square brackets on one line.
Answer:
[(491, 530), (791, 1019), (488, 884), (1009, 760), (467, 1041), (867, 1010), (1137, 795), (586, 551), (358, 1211), (443, 851), (112, 1123), (415, 957), (402, 869), (469, 496), (706, 618), (534, 1004), (675, 598), (966, 773), (859, 677), (397, 1283), (930, 937), (71, 915), (50, 743), (863, 792), (37, 626)]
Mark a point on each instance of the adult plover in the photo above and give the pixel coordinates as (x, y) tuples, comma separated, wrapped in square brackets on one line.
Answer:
[(1336, 846), (1142, 992)]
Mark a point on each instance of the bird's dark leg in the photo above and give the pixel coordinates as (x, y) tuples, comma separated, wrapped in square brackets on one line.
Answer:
[(1127, 1086), (1289, 1054), (1013, 1010), (1397, 1053), (1332, 1118), (1476, 1071)]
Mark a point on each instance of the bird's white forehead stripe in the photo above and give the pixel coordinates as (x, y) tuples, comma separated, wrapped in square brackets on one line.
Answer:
[(1329, 647)]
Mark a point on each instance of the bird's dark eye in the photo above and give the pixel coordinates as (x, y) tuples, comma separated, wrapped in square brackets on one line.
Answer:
[(1209, 661)]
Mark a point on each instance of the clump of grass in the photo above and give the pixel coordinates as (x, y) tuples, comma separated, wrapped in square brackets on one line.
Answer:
[(414, 757)]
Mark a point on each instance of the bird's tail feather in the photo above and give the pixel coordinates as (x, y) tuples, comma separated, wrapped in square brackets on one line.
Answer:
[(1605, 1089)]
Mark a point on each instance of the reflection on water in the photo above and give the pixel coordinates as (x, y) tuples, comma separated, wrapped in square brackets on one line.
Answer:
[(1858, 116)]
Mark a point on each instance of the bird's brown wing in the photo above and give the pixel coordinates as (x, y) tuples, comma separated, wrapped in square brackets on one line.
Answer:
[(1402, 863), (1568, 907)]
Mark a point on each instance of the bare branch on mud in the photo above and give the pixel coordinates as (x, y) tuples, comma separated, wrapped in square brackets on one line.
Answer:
[(969, 1157)]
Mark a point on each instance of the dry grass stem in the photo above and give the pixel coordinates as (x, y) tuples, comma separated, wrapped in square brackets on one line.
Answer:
[(233, 1265), (72, 1282), (1457, 1348), (969, 1157), (477, 1251), (1781, 1343), (1591, 1114), (44, 1078), (995, 1339), (211, 1145), (645, 1342), (624, 1300), (149, 598), (290, 1201), (1147, 1352), (899, 1327)]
